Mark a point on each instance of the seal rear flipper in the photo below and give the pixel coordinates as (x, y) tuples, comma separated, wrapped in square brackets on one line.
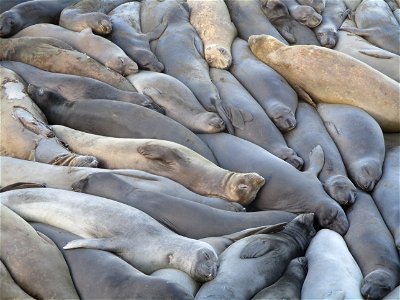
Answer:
[(106, 244), (234, 237), (225, 114), (304, 95), (21, 185), (317, 160), (378, 53), (256, 248)]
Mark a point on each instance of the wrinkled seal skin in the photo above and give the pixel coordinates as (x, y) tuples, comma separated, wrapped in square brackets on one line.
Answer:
[(359, 140), (289, 285), (102, 275), (213, 23), (332, 18), (115, 119), (254, 262), (269, 88), (133, 235), (74, 87), (377, 94), (332, 271), (249, 19), (252, 124), (286, 188), (34, 261), (178, 101), (127, 34), (25, 131), (29, 13), (304, 14), (9, 288), (372, 246), (166, 159), (310, 132), (85, 41), (318, 5), (53, 55)]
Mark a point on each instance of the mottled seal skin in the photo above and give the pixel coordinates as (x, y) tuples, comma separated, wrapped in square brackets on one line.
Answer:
[(85, 41), (286, 188), (293, 31), (200, 221), (115, 119), (178, 101), (310, 132), (74, 87), (252, 263), (377, 94), (332, 18), (252, 123), (372, 246), (377, 24), (127, 34), (249, 19), (269, 88), (332, 271), (289, 285), (33, 261), (318, 5), (9, 288), (53, 55), (102, 275), (360, 143), (304, 14), (133, 235), (29, 13), (213, 23)]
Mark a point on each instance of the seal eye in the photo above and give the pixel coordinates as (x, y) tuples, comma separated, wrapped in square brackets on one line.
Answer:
[(222, 50), (243, 187)]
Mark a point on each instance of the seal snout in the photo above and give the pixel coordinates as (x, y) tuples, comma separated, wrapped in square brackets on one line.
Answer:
[(207, 265)]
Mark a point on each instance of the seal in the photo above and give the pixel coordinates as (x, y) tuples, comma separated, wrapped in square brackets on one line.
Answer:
[(28, 13), (374, 93), (178, 101), (270, 89), (252, 124), (24, 252), (102, 275), (372, 246), (213, 23), (259, 261), (136, 237), (318, 5), (9, 289), (28, 136), (310, 132), (304, 14), (85, 41), (53, 55), (181, 278), (286, 187), (289, 285), (332, 270), (115, 119), (361, 144)]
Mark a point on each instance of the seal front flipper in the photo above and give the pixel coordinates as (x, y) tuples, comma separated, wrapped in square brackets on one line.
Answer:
[(317, 160), (106, 244), (21, 185), (257, 248), (287, 33), (164, 154), (378, 53), (157, 32), (304, 95), (357, 31), (225, 114)]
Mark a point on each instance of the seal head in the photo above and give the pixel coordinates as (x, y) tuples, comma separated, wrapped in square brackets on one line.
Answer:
[(307, 16), (243, 187), (218, 57), (366, 173), (10, 22)]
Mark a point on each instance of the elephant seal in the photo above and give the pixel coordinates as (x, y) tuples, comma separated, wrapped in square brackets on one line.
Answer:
[(258, 260), (166, 159), (85, 41), (181, 278), (332, 18), (53, 55), (178, 101), (372, 246), (28, 136), (102, 275), (249, 19), (289, 285), (9, 288), (304, 14), (115, 119), (377, 24), (270, 89), (136, 237), (310, 132), (374, 93), (128, 35), (286, 187), (200, 221), (384, 61), (74, 87), (293, 31), (252, 124), (25, 254), (318, 5), (361, 144), (332, 271), (213, 23), (29, 13)]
